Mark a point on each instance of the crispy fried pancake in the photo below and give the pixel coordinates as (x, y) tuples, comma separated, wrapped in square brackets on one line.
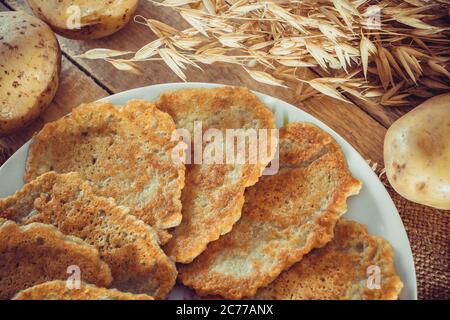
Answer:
[(58, 290), (340, 270), (214, 193), (37, 253), (285, 216), (128, 245), (125, 152)]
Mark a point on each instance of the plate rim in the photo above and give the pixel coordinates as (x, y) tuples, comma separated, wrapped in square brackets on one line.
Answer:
[(323, 125)]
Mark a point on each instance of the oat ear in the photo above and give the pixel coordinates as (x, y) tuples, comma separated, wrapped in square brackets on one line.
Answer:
[(403, 52)]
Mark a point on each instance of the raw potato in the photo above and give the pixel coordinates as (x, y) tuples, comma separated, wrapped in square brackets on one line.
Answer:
[(97, 18), (30, 61), (417, 153)]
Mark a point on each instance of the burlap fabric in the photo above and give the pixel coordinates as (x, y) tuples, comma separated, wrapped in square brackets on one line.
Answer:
[(429, 233)]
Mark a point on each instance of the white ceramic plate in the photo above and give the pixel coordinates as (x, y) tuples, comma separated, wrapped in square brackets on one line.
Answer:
[(372, 207)]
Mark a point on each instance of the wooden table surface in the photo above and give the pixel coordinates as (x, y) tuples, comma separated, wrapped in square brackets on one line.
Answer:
[(86, 80)]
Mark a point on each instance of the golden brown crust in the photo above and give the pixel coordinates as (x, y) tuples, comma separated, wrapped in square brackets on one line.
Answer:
[(284, 217), (213, 196), (37, 253), (128, 245), (125, 152), (58, 290), (340, 270)]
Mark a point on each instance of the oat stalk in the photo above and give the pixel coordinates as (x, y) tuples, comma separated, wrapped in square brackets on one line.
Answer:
[(382, 52)]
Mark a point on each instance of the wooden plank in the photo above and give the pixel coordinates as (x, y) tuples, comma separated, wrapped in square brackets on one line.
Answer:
[(386, 116), (75, 87), (354, 124)]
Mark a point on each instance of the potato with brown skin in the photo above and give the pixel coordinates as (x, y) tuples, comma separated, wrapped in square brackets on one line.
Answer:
[(417, 153), (30, 62), (84, 19)]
